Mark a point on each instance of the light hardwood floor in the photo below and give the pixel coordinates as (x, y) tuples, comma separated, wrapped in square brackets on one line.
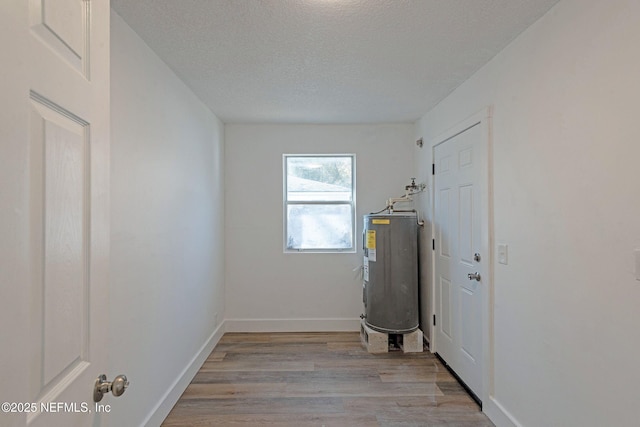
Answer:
[(320, 379)]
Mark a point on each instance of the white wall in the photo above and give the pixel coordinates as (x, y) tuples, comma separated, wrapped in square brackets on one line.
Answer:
[(422, 172), (565, 179), (167, 253), (267, 289)]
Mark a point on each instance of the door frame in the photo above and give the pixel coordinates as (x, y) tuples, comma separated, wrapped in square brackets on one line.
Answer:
[(483, 119)]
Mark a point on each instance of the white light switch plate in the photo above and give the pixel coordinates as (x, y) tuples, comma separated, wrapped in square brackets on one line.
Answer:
[(503, 253), (637, 253)]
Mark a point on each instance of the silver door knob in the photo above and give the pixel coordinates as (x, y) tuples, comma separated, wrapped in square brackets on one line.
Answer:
[(116, 387), (473, 276)]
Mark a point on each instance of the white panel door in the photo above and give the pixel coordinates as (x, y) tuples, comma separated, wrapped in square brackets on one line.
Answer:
[(60, 195), (458, 232)]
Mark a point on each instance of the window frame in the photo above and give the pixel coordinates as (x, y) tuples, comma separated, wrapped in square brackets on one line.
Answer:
[(286, 203)]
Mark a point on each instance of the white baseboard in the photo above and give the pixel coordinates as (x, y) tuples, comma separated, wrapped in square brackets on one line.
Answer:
[(498, 414), (292, 325), (169, 399)]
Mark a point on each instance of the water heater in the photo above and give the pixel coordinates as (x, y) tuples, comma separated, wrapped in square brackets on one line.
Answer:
[(390, 292)]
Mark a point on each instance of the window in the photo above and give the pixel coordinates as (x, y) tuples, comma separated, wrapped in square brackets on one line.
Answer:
[(319, 203)]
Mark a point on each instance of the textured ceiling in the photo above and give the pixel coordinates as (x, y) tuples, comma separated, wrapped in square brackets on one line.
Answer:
[(326, 61)]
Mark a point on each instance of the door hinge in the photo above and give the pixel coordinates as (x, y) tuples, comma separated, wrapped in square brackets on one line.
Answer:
[(433, 168), (433, 244), (434, 320)]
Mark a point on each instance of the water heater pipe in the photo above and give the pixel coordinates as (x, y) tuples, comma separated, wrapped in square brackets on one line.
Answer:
[(410, 190)]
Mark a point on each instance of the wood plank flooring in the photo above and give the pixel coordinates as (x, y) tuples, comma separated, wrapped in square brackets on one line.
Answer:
[(320, 379)]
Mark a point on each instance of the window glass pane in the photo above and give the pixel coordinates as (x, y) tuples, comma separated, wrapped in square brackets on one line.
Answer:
[(319, 227), (319, 179)]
